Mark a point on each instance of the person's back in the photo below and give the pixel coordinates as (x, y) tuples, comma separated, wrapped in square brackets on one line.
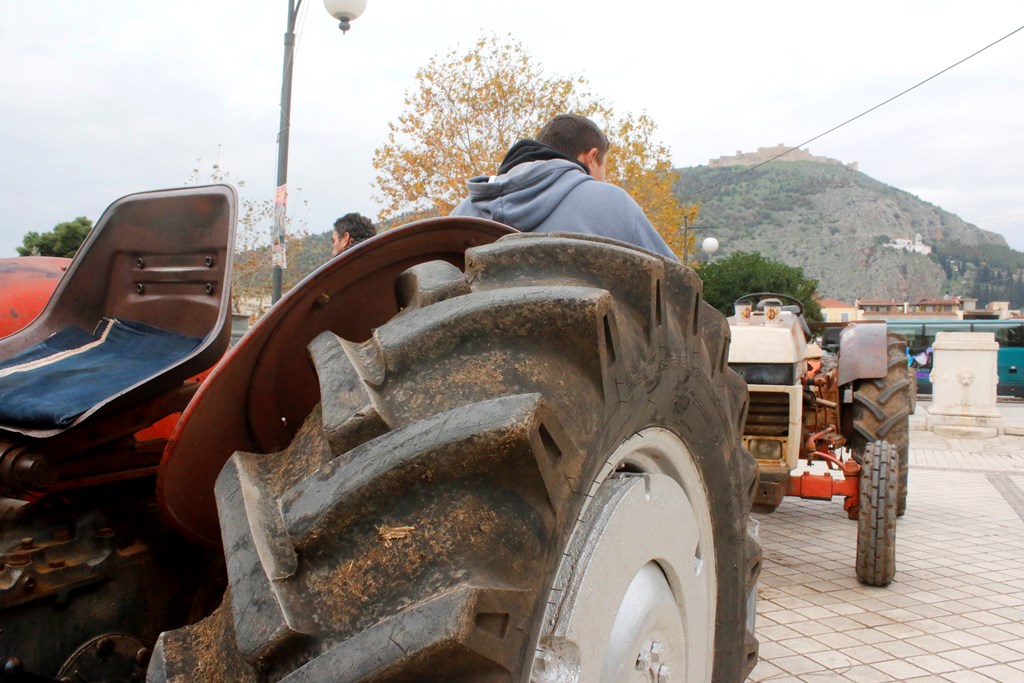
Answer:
[(554, 184)]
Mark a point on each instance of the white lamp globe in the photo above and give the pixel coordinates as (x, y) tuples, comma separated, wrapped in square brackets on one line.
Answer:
[(345, 10), (709, 245)]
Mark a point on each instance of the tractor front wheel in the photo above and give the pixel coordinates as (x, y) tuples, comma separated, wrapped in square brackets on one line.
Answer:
[(876, 521)]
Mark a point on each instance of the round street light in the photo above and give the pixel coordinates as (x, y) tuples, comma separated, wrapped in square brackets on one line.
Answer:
[(709, 245), (345, 11)]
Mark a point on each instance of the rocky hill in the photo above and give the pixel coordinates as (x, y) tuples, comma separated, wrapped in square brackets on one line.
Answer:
[(833, 222)]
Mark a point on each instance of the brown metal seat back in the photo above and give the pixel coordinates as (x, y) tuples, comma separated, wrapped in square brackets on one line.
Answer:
[(162, 258)]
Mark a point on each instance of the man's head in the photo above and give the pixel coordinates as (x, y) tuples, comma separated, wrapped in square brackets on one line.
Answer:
[(578, 137), (350, 229)]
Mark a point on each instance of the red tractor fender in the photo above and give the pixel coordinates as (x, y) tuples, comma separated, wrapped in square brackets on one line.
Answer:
[(863, 352), (257, 397), (26, 283)]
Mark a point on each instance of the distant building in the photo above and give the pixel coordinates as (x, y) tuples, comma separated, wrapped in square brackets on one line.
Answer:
[(886, 309), (994, 310), (938, 307), (948, 307), (765, 154), (879, 309), (998, 307), (916, 245), (836, 311)]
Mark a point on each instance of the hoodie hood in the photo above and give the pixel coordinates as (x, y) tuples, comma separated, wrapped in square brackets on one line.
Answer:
[(528, 193), (531, 150)]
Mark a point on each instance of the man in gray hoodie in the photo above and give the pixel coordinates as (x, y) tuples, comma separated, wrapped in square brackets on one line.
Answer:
[(555, 184)]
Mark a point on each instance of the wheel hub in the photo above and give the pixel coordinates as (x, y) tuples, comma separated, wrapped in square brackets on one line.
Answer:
[(634, 599)]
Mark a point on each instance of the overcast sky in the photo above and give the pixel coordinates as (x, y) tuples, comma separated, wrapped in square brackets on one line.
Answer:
[(101, 99)]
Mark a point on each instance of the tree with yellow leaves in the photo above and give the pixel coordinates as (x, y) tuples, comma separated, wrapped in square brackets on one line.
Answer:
[(469, 108)]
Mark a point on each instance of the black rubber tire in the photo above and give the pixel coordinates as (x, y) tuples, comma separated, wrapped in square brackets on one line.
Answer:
[(881, 411), (876, 520), (413, 528)]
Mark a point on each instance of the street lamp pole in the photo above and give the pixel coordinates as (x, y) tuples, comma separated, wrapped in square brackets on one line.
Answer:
[(344, 11), (280, 261)]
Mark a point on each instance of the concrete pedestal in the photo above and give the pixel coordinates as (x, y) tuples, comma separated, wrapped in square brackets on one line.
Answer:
[(964, 378)]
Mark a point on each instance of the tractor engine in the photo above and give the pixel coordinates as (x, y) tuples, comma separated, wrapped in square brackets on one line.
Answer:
[(769, 351)]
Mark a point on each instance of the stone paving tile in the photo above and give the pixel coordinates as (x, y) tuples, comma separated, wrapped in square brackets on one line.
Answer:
[(1000, 672), (934, 664), (798, 664), (968, 676), (867, 674), (968, 658), (955, 610), (900, 670)]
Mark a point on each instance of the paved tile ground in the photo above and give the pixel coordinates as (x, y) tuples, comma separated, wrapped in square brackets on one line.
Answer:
[(955, 610)]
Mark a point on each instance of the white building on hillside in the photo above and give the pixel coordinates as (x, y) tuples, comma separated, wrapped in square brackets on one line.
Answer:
[(915, 245)]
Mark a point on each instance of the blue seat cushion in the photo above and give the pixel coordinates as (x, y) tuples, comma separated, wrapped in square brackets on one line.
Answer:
[(50, 384)]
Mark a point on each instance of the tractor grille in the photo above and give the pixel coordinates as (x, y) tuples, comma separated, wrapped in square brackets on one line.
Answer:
[(768, 414)]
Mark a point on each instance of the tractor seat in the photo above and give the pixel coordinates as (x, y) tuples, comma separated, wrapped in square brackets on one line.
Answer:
[(143, 307), (50, 384)]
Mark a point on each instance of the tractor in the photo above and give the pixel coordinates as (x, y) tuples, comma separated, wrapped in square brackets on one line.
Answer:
[(848, 410), (454, 452)]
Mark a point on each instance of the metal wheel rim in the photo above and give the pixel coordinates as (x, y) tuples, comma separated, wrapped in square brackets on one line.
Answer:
[(634, 599)]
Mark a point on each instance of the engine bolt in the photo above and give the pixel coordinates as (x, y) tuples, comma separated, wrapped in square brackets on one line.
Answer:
[(143, 655), (19, 559), (543, 660), (664, 674), (643, 660), (12, 666), (104, 647), (27, 542), (56, 564), (657, 650)]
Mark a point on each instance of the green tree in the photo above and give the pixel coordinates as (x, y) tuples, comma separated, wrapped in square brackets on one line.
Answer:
[(744, 272), (63, 240)]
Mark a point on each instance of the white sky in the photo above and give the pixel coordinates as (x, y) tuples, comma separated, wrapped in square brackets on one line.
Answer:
[(101, 99)]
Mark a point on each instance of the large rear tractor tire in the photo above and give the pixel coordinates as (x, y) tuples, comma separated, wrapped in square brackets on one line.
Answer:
[(881, 411), (533, 472), (876, 521)]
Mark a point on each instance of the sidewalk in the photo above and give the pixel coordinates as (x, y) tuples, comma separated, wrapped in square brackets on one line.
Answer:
[(955, 610)]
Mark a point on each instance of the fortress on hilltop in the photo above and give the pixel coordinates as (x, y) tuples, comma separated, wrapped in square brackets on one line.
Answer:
[(764, 154)]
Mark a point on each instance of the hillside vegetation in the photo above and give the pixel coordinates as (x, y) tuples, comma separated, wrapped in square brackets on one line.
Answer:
[(828, 220), (832, 222)]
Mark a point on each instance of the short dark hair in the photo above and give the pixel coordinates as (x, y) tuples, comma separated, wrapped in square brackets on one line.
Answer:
[(572, 135), (358, 227)]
